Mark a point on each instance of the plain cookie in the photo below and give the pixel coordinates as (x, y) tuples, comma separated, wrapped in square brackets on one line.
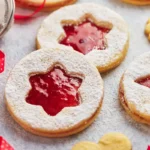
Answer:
[(114, 141)]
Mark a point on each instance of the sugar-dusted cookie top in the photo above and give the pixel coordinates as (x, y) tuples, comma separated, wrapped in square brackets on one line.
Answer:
[(48, 76), (92, 29)]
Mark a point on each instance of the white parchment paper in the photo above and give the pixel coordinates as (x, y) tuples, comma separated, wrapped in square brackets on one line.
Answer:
[(20, 41)]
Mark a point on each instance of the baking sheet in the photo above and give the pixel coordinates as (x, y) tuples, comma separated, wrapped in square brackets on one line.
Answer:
[(20, 41)]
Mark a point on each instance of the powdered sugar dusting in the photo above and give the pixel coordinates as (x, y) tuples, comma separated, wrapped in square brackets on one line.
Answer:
[(51, 30), (18, 86)]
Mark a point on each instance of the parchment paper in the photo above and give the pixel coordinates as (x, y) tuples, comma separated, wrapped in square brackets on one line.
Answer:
[(20, 41)]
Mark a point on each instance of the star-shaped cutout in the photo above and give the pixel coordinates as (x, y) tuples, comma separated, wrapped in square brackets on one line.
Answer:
[(85, 37), (54, 90), (144, 82)]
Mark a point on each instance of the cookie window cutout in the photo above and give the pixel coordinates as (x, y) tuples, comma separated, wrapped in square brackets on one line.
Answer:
[(144, 81), (54, 90), (86, 36)]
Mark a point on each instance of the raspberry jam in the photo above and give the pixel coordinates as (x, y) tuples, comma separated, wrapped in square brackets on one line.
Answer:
[(85, 37), (54, 91), (144, 82)]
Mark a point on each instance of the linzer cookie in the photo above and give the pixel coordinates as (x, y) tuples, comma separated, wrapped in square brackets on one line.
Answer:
[(54, 92), (134, 89), (49, 5), (94, 30)]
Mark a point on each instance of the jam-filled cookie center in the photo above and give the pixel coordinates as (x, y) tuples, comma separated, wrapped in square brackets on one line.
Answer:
[(54, 90), (144, 82), (85, 37)]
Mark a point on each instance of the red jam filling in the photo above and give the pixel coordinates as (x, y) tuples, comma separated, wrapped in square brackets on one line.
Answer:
[(54, 91), (85, 37), (2, 61), (144, 82)]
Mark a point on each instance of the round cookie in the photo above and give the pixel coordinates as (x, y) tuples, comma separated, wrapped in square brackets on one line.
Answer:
[(137, 2), (115, 141), (54, 92), (49, 5), (134, 91), (86, 146), (92, 29)]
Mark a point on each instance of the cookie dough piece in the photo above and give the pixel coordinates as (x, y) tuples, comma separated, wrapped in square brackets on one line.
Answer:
[(86, 146), (114, 141)]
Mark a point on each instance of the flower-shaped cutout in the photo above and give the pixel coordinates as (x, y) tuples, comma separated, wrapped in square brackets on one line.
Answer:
[(54, 90), (85, 37)]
